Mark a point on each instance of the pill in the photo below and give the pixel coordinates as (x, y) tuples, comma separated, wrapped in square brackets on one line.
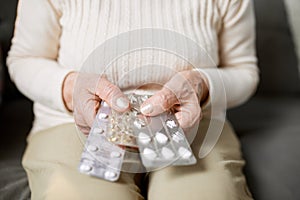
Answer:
[(139, 123), (149, 154), (110, 174), (115, 138), (105, 104), (167, 153), (161, 138), (133, 99), (135, 111), (85, 168), (115, 154), (115, 129), (98, 130), (171, 123), (103, 116), (144, 138), (144, 97), (127, 138), (184, 153), (92, 148), (177, 137)]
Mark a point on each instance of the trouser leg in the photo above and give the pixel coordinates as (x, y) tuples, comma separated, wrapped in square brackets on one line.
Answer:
[(51, 161), (218, 176)]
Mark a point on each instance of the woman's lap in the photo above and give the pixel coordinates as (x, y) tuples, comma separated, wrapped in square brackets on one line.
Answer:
[(218, 176), (52, 157), (51, 160)]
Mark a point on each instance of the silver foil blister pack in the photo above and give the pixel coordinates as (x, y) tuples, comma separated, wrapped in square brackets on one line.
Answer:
[(101, 158), (160, 140)]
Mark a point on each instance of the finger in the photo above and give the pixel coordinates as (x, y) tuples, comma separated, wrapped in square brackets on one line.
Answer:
[(85, 112), (112, 95), (181, 86), (160, 102), (188, 115), (81, 125), (84, 129)]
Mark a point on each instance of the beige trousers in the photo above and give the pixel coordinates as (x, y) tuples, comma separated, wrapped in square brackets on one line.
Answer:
[(52, 157)]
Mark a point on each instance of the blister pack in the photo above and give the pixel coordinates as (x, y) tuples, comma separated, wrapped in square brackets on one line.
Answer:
[(120, 130), (161, 141), (101, 158)]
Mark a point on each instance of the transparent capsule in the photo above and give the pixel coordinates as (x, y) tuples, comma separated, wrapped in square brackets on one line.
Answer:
[(135, 112), (115, 128), (133, 99), (144, 98), (139, 123), (115, 138), (127, 139)]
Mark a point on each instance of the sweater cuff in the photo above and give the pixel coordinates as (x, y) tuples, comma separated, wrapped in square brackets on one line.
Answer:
[(57, 90)]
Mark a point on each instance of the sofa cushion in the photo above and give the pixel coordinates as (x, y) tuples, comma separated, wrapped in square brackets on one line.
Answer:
[(13, 184), (269, 132), (15, 122)]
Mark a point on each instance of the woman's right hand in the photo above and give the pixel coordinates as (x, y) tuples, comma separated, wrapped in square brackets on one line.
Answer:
[(82, 94)]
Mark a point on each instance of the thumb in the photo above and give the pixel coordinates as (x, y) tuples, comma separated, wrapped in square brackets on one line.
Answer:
[(160, 102), (112, 95)]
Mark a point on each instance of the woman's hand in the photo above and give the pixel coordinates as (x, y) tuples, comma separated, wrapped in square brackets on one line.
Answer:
[(84, 97), (183, 92)]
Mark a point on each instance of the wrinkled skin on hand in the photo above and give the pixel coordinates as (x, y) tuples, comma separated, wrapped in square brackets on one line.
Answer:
[(183, 92), (87, 94)]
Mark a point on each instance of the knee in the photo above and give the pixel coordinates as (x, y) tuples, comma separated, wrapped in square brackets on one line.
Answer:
[(69, 184), (217, 185)]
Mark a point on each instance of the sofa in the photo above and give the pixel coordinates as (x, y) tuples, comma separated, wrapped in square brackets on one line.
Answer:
[(268, 125)]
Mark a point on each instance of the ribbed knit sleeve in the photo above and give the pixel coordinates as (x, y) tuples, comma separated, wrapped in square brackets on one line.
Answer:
[(32, 59), (54, 37), (236, 77)]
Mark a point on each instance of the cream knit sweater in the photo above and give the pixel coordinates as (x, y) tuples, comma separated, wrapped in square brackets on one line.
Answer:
[(54, 37)]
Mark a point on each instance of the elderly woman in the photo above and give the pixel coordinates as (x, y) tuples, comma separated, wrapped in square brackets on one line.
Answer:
[(52, 40)]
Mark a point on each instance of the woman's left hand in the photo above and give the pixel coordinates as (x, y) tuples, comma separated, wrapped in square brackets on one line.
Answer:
[(183, 92)]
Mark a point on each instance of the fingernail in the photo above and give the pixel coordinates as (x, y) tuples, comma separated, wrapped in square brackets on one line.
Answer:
[(122, 103), (147, 109)]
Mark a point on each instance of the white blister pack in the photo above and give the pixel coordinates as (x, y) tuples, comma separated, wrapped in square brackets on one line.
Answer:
[(160, 139), (101, 158)]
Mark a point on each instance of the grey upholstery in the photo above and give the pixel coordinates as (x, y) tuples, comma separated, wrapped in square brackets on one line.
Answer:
[(16, 119), (275, 49), (270, 135), (268, 125)]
